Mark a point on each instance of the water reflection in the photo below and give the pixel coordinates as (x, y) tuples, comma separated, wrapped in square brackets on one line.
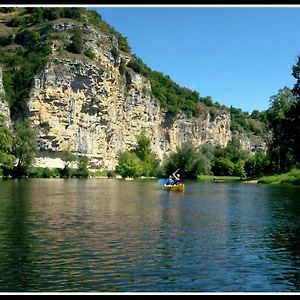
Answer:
[(15, 237), (112, 235)]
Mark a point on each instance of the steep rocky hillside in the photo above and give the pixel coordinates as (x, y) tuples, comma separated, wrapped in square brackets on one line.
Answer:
[(75, 79)]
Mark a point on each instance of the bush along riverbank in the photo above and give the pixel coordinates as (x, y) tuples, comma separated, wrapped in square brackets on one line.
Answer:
[(292, 177)]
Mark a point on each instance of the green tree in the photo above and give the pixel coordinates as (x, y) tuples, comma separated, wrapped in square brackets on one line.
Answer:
[(280, 118), (294, 116), (239, 169), (6, 144), (257, 165), (82, 170), (77, 43), (189, 160), (146, 156), (24, 148), (223, 166), (129, 165), (68, 157), (234, 151), (296, 74)]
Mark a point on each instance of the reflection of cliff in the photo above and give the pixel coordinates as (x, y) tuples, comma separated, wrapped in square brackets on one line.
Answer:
[(15, 236)]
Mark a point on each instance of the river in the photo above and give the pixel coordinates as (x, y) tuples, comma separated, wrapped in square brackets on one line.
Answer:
[(110, 235)]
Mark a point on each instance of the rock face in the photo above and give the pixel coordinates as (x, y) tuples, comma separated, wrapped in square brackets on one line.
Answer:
[(90, 110), (87, 106), (4, 109)]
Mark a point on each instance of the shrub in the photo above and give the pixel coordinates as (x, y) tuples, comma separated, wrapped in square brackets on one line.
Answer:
[(76, 45), (89, 53), (115, 53), (223, 166), (189, 160), (129, 165), (82, 170), (39, 172), (6, 40)]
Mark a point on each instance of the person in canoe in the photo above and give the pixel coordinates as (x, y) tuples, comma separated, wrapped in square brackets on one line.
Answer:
[(170, 180), (176, 178)]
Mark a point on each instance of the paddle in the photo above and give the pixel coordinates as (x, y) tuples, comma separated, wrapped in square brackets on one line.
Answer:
[(176, 171), (164, 181)]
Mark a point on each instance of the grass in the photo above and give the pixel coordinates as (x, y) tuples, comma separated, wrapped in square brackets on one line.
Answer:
[(292, 177)]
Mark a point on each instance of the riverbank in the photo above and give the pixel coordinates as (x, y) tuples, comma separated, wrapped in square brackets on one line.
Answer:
[(291, 178)]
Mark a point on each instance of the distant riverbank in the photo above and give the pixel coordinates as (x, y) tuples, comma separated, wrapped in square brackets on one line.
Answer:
[(290, 178)]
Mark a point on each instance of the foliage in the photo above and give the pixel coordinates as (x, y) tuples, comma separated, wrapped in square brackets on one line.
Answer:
[(296, 74), (95, 19), (189, 160), (122, 67), (6, 9), (20, 64), (111, 174), (27, 38), (223, 166), (145, 154), (257, 165), (82, 170), (6, 40), (140, 161), (230, 160), (129, 165), (292, 177), (68, 157), (115, 53), (39, 172), (281, 146), (89, 53), (6, 144), (24, 148), (239, 169), (242, 121), (232, 151), (76, 46)]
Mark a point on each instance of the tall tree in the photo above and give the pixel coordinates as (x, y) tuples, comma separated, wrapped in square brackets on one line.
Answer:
[(145, 154), (280, 118), (190, 161), (294, 115), (6, 143), (24, 148)]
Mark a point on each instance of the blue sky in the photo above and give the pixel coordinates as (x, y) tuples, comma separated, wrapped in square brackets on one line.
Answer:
[(239, 56)]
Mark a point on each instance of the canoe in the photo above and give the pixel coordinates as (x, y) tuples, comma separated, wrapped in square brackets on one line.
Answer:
[(179, 187)]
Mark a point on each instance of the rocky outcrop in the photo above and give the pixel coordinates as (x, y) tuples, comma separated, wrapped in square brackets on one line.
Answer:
[(251, 144), (4, 108), (90, 109), (87, 106)]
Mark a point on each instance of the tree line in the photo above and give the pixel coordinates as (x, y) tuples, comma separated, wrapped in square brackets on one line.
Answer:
[(281, 129), (25, 48)]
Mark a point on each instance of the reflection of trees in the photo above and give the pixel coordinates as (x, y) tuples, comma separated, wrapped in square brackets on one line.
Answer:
[(15, 265), (284, 232)]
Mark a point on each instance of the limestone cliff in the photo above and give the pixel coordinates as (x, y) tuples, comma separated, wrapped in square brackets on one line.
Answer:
[(86, 108), (94, 103), (4, 109)]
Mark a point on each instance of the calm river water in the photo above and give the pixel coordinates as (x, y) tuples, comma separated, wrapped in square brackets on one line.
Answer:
[(109, 235)]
